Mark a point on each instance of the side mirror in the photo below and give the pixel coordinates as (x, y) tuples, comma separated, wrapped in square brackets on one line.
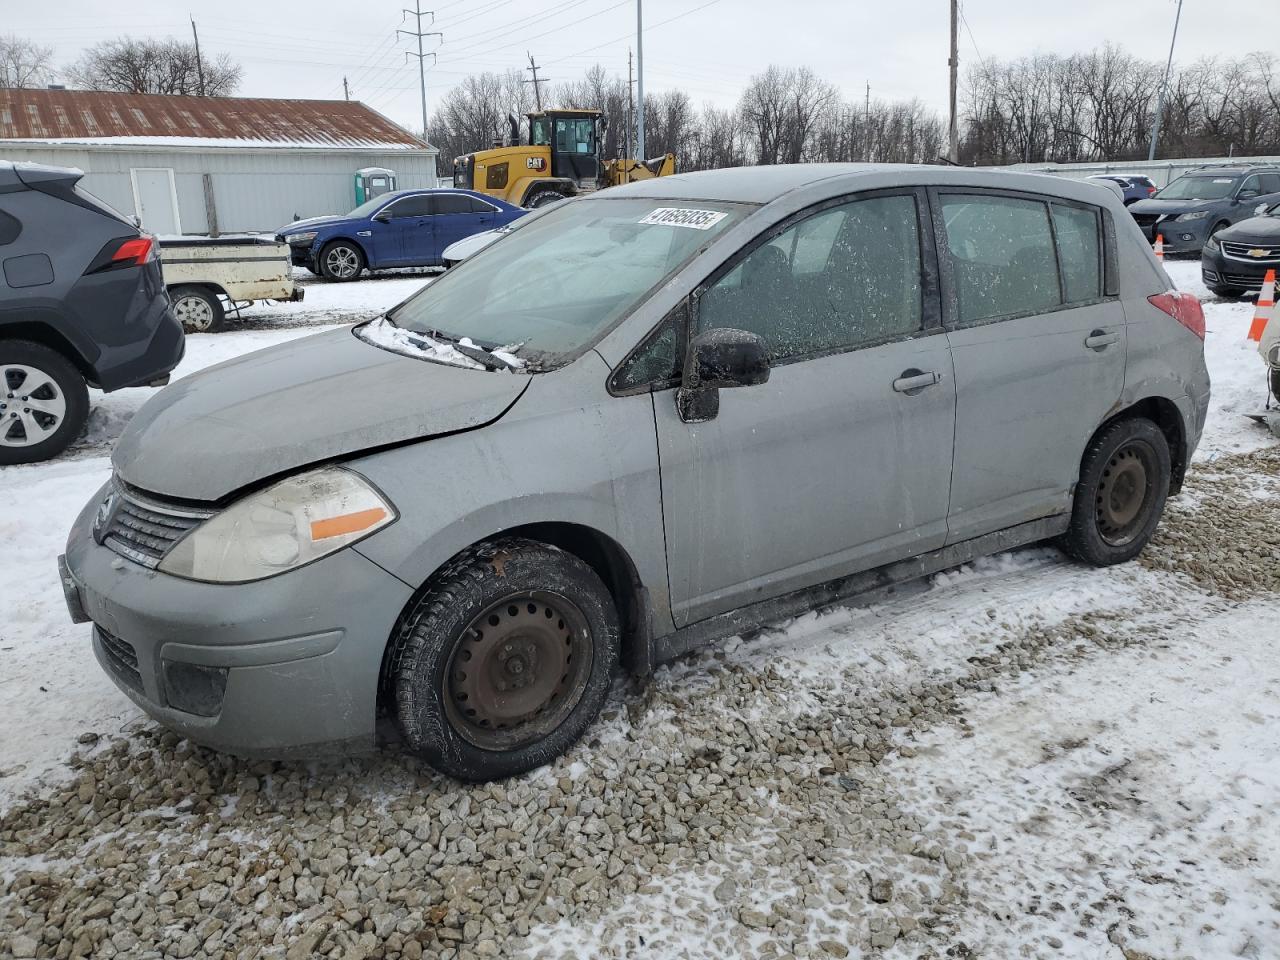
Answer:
[(716, 359), (382, 216), (1244, 195)]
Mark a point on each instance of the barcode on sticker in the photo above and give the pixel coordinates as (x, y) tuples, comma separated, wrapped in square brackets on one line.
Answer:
[(682, 217)]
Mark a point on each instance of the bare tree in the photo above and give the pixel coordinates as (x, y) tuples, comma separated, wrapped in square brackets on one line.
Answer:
[(24, 64), (146, 65)]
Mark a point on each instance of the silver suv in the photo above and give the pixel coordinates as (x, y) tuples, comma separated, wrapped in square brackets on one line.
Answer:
[(649, 418)]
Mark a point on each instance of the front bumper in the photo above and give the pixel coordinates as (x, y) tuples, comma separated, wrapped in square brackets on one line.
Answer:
[(1185, 237), (1219, 270), (281, 667)]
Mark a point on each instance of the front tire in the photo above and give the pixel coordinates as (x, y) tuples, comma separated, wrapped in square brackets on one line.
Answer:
[(44, 402), (504, 660), (341, 261), (199, 310), (1124, 482)]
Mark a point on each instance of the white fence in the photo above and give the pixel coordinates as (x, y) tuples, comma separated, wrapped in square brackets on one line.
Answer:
[(1160, 171)]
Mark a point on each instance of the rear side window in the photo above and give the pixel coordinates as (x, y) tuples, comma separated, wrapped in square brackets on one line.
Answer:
[(1002, 256), (1079, 252), (9, 228), (446, 203), (847, 276)]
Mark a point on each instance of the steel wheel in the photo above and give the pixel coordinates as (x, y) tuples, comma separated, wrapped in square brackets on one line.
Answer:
[(1124, 492), (519, 669), (341, 262), (194, 313), (32, 407)]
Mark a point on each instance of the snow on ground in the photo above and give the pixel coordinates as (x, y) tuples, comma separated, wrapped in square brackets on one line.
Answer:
[(1020, 758)]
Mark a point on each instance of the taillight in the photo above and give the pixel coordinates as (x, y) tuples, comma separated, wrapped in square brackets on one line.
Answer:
[(132, 253), (1183, 307)]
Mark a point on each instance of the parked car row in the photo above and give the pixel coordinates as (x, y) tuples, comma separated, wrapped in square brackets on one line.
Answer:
[(643, 420), (1201, 203)]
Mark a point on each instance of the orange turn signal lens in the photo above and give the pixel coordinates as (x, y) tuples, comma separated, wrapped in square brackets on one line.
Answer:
[(346, 523)]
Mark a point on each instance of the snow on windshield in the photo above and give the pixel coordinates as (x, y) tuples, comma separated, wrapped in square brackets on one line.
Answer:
[(383, 333)]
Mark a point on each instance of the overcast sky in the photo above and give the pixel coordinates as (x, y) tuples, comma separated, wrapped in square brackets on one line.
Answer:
[(705, 47)]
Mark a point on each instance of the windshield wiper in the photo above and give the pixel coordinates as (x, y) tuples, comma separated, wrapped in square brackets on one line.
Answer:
[(486, 358)]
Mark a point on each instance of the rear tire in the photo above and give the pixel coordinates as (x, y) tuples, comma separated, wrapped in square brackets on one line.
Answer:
[(540, 198), (199, 310), (341, 261), (1275, 385), (504, 660), (1124, 481), (37, 431)]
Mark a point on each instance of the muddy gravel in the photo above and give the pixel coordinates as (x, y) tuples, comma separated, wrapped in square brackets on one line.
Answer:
[(752, 798)]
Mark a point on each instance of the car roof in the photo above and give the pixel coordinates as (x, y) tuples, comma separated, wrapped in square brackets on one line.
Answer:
[(764, 184)]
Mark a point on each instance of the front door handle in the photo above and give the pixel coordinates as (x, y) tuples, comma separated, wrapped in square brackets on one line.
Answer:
[(1100, 339), (913, 381)]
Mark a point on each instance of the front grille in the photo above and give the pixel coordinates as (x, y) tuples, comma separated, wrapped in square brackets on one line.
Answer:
[(1146, 220), (1242, 280), (1240, 251), (143, 528), (121, 658)]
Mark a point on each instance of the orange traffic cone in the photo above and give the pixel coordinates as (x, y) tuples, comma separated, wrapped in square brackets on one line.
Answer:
[(1266, 305), (1159, 247)]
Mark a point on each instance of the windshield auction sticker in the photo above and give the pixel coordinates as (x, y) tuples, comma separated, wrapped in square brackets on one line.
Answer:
[(682, 217)]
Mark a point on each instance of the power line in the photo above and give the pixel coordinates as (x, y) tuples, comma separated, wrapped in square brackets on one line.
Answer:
[(537, 90), (627, 36)]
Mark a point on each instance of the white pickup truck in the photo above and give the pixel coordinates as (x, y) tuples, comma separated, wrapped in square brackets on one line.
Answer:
[(202, 272)]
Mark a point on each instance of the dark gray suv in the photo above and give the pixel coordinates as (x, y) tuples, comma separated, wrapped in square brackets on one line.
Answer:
[(1198, 204), (82, 303)]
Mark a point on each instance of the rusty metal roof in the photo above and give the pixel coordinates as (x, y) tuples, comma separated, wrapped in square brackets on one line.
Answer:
[(98, 117)]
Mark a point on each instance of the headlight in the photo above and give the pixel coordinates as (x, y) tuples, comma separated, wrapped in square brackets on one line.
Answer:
[(297, 239), (1193, 216), (1211, 245), (290, 523)]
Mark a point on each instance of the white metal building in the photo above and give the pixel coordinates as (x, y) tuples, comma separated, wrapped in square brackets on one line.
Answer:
[(201, 165)]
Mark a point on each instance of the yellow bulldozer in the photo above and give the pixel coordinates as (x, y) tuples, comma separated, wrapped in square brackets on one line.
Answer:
[(561, 159)]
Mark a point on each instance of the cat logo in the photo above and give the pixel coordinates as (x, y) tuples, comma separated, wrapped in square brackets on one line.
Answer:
[(536, 163)]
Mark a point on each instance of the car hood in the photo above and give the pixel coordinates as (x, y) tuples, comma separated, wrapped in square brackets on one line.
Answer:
[(1158, 206), (309, 222), (1262, 229), (299, 403)]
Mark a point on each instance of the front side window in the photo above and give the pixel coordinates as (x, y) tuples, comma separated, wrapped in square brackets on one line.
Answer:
[(844, 277), (1270, 182), (1079, 252), (419, 206), (575, 136), (567, 275), (1002, 256)]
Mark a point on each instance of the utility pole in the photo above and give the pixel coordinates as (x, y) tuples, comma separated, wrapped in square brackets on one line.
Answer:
[(537, 90), (631, 108), (953, 126), (199, 62), (866, 122), (639, 79), (346, 90), (418, 13), (1168, 67)]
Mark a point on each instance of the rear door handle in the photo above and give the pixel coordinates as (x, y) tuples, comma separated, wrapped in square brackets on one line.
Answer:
[(913, 381), (1100, 339)]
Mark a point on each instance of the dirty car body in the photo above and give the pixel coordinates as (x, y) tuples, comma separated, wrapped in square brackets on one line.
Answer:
[(799, 384)]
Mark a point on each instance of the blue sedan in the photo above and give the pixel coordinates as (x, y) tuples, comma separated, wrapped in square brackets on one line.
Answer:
[(407, 228)]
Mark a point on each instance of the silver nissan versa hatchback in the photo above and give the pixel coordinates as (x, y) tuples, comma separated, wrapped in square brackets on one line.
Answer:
[(649, 418)]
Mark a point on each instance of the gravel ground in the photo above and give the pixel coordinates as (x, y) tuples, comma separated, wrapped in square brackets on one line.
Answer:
[(745, 802)]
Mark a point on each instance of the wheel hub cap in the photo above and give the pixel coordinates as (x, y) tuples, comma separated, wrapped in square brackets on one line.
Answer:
[(342, 262), (518, 671), (1123, 494), (31, 405), (193, 313)]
